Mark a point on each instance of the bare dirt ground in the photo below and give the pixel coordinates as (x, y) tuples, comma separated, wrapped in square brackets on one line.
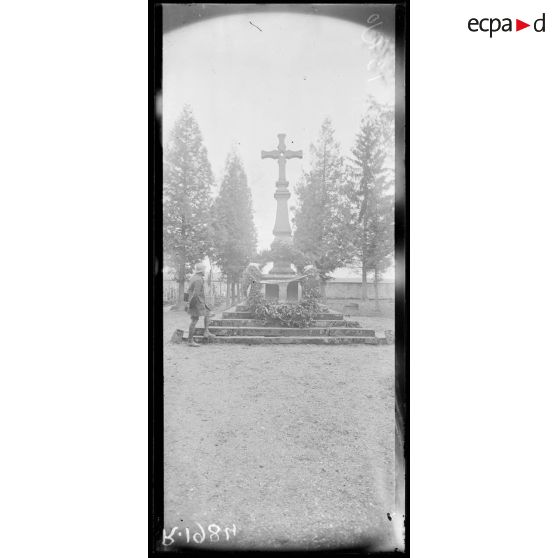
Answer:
[(291, 444)]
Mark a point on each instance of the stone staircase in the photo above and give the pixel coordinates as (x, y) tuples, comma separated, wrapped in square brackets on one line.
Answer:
[(239, 325)]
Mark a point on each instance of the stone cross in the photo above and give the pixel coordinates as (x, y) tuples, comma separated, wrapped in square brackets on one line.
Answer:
[(281, 154), (282, 229)]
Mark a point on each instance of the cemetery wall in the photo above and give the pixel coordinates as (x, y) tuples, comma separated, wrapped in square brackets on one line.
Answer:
[(170, 290), (357, 307), (353, 289), (345, 297), (342, 290)]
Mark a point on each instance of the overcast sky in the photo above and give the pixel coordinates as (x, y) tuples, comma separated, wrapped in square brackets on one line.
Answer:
[(245, 86)]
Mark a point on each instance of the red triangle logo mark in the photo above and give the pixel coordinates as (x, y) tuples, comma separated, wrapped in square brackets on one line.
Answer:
[(519, 25)]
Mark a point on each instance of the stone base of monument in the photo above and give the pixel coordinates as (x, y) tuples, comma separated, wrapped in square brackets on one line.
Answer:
[(239, 325), (282, 287)]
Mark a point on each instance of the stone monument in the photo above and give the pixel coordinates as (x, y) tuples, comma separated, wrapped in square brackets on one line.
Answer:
[(243, 324), (282, 283)]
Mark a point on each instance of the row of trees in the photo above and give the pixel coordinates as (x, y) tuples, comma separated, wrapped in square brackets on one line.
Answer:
[(346, 207), (344, 215), (195, 226)]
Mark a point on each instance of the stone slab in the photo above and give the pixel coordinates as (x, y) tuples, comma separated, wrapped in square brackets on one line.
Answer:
[(261, 340), (287, 332), (231, 322), (249, 315), (245, 308)]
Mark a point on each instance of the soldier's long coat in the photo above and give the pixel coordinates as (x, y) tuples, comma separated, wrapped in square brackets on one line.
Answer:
[(197, 306)]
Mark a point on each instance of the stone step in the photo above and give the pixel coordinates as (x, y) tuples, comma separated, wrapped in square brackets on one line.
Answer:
[(262, 340), (249, 316), (246, 308), (230, 322), (288, 332)]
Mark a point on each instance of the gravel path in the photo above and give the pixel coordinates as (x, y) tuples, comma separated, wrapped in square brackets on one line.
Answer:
[(292, 444)]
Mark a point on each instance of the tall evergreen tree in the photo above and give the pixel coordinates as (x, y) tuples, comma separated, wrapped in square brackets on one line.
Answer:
[(370, 194), (320, 220), (234, 232), (187, 182)]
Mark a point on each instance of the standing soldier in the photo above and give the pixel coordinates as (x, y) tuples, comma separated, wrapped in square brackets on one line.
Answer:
[(197, 306)]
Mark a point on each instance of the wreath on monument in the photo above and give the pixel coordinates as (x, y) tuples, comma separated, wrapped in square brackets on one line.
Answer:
[(301, 314)]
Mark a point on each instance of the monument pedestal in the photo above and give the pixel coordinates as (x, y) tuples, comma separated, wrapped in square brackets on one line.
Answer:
[(282, 287), (241, 325)]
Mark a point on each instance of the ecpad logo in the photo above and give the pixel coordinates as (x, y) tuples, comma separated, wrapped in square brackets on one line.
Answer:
[(493, 25)]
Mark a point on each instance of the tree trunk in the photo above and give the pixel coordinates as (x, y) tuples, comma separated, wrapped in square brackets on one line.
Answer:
[(376, 296), (210, 289), (180, 297), (179, 304), (364, 292)]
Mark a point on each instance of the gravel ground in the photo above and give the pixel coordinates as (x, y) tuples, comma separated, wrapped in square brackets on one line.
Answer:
[(291, 444)]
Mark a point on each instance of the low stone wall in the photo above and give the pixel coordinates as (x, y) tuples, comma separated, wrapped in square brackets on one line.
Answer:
[(353, 290), (358, 307)]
